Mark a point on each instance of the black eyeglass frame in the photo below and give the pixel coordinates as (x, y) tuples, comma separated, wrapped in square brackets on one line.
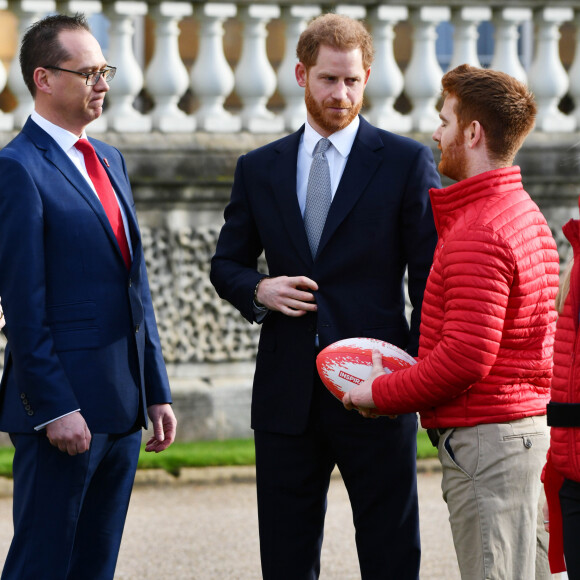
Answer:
[(108, 71)]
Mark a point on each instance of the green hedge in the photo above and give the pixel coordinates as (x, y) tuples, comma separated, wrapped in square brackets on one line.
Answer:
[(205, 454)]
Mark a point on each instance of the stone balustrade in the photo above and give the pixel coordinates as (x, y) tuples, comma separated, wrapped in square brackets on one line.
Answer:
[(525, 30)]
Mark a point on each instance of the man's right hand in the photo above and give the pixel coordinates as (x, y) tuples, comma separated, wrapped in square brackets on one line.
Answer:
[(291, 296), (70, 434)]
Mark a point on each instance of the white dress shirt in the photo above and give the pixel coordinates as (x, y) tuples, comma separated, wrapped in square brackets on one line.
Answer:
[(337, 156)]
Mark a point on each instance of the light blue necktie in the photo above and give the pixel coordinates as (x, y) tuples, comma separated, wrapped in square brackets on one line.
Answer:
[(318, 195)]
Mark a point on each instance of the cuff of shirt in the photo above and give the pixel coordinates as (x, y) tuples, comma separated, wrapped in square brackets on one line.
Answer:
[(43, 425), (260, 312)]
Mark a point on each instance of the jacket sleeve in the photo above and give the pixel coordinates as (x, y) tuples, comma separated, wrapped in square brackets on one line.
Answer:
[(476, 276), (420, 236), (35, 363), (156, 380), (157, 389), (234, 272)]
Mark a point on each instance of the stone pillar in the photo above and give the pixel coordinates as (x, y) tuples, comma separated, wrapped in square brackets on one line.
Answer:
[(121, 116), (505, 57), (255, 77), (212, 90), (465, 22), (166, 77), (574, 72), (547, 78), (386, 80), (423, 75)]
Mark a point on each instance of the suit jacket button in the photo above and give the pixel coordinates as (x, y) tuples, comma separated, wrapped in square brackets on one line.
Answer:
[(30, 413), (25, 401), (28, 407), (22, 395)]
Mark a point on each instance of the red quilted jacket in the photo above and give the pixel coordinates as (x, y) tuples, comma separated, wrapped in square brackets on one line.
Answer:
[(564, 453), (488, 317), (565, 442)]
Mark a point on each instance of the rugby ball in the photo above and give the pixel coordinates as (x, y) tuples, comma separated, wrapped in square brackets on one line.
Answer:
[(347, 363)]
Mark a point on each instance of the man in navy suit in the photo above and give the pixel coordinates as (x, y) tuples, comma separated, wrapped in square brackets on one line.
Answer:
[(347, 283), (83, 365)]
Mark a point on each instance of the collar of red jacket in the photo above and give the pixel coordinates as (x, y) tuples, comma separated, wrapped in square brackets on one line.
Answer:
[(450, 202)]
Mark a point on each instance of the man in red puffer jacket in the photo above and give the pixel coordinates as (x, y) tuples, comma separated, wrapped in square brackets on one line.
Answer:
[(482, 381)]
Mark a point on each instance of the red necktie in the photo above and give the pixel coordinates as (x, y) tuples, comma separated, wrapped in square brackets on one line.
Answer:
[(106, 194)]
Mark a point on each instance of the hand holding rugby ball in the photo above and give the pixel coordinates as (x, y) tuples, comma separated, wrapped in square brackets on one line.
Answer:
[(347, 363)]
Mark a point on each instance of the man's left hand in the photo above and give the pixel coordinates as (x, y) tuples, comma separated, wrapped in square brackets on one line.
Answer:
[(164, 427), (361, 397)]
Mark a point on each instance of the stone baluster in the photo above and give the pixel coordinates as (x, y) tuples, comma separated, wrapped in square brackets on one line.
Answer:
[(295, 18), (166, 77), (121, 116), (547, 77), (255, 77), (386, 80), (465, 22), (27, 12), (505, 57), (213, 89), (574, 72), (86, 7), (423, 75), (6, 120)]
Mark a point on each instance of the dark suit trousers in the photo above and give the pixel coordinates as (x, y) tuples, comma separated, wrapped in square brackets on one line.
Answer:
[(377, 460), (69, 511)]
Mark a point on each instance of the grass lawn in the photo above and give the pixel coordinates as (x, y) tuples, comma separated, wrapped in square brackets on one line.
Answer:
[(205, 454)]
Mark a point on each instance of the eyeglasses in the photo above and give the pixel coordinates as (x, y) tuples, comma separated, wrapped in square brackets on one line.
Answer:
[(92, 78)]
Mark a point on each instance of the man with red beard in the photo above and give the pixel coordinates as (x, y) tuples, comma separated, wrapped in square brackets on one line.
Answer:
[(335, 270), (482, 382)]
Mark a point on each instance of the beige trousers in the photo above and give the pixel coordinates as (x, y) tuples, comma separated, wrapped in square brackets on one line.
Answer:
[(491, 483)]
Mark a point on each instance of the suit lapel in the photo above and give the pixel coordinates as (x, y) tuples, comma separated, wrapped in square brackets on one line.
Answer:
[(283, 179), (61, 162), (122, 195), (360, 169)]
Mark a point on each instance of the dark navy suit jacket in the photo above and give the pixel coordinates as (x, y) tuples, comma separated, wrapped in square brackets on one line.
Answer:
[(379, 223), (81, 329)]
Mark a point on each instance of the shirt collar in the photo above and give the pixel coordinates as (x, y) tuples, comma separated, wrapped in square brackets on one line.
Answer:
[(342, 140), (65, 139)]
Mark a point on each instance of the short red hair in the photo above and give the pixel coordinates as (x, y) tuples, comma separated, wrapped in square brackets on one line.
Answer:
[(504, 107)]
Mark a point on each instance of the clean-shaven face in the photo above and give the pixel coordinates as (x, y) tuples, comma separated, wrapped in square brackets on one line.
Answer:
[(74, 104)]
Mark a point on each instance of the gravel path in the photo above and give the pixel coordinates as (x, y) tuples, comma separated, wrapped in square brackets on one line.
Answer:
[(209, 532), (204, 527)]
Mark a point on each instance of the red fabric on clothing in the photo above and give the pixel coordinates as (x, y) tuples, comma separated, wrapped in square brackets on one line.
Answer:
[(552, 484), (107, 196), (488, 316), (564, 454), (565, 441)]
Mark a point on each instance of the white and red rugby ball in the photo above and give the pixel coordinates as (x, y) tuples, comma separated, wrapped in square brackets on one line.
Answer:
[(347, 363)]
